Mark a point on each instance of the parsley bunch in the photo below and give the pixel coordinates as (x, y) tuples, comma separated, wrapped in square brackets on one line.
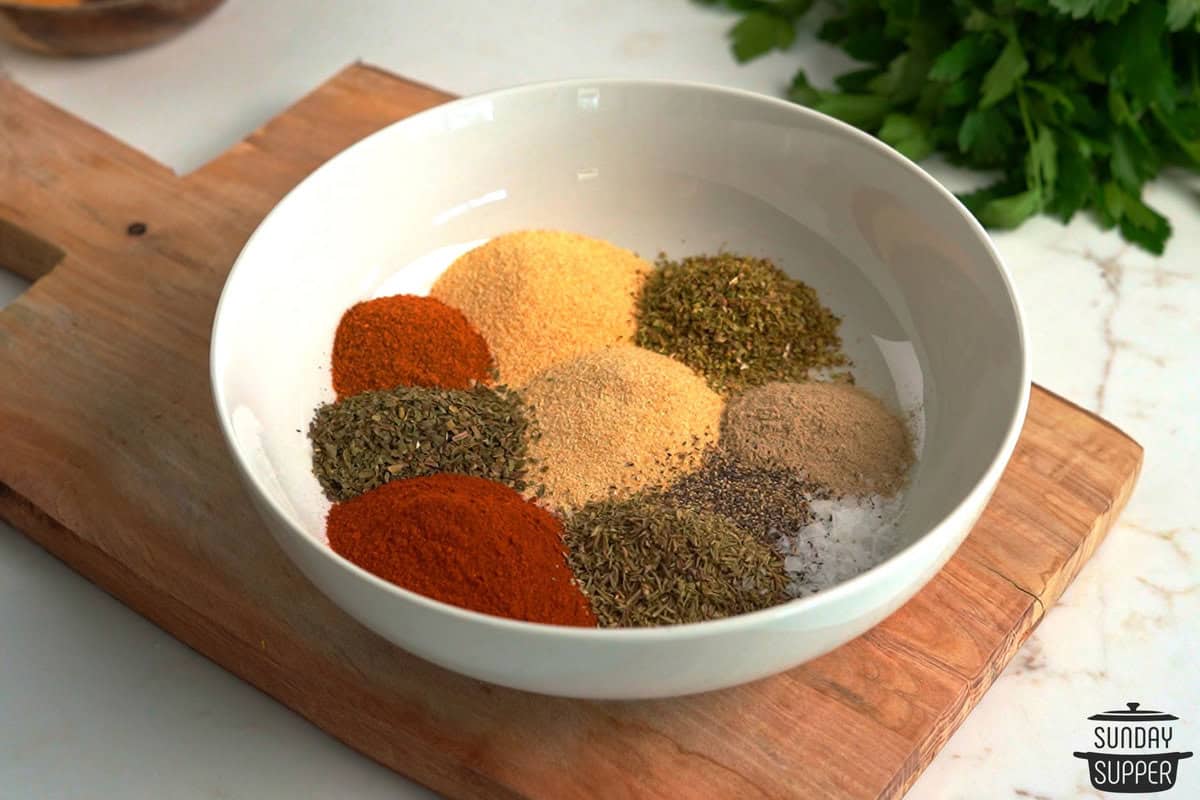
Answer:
[(1075, 103)]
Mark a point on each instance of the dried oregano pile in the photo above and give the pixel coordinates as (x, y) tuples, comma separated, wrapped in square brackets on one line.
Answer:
[(410, 431), (738, 321), (660, 447)]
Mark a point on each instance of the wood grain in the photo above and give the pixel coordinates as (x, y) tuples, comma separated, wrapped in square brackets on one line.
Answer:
[(112, 460)]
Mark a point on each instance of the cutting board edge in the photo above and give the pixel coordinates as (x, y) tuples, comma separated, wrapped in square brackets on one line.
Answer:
[(1039, 605), (63, 542), (183, 622), (1092, 415)]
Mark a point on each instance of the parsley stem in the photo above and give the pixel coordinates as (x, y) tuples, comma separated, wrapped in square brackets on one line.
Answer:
[(1032, 173)]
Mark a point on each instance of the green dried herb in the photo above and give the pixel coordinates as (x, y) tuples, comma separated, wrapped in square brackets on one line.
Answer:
[(643, 562), (738, 321), (371, 438), (764, 502)]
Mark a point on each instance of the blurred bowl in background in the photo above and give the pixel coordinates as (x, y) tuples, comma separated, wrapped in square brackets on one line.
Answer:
[(96, 27)]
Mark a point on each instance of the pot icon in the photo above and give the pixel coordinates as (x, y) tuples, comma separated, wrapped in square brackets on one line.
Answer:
[(1132, 751)]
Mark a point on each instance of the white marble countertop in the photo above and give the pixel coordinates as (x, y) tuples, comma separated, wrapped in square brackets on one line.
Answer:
[(96, 702)]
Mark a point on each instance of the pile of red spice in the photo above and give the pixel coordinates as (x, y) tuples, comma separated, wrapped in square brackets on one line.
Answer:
[(406, 340), (466, 541)]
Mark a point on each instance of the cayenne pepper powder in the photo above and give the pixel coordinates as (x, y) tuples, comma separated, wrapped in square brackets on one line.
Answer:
[(406, 340), (467, 541)]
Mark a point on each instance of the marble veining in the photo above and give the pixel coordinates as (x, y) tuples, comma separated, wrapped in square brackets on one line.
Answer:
[(1118, 331)]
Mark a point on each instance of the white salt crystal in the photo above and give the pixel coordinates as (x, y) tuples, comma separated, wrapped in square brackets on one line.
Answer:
[(847, 536)]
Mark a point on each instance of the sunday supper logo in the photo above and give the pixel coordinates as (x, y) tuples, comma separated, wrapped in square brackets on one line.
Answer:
[(1133, 751)]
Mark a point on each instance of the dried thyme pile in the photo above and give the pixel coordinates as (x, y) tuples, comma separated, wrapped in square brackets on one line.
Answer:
[(642, 562), (369, 439), (762, 501), (736, 320)]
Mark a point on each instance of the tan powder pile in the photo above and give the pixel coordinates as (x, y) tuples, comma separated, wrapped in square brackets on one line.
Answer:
[(617, 420), (836, 434), (542, 297)]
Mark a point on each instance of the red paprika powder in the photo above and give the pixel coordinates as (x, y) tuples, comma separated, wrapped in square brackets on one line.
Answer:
[(406, 340), (467, 541)]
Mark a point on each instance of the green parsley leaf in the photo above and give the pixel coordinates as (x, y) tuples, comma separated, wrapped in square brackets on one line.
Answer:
[(1112, 205), (1136, 49), (859, 80), (978, 20), (1180, 13), (861, 110), (801, 91), (1082, 57), (964, 55), (907, 134), (986, 137), (760, 32), (1043, 162), (1141, 224), (1183, 126), (1075, 181), (1118, 108), (1009, 212), (1099, 10), (979, 198), (961, 92), (1133, 160), (1001, 79), (869, 45), (1075, 104), (1052, 94)]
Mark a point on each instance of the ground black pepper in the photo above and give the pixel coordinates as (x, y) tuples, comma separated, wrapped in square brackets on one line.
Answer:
[(764, 502)]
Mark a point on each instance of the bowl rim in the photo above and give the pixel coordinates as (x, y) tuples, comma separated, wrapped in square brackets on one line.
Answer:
[(982, 487)]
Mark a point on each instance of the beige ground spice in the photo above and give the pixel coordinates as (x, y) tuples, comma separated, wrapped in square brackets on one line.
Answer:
[(836, 434), (541, 297), (617, 420)]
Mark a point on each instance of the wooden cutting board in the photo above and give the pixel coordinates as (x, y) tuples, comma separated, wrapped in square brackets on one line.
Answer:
[(111, 459)]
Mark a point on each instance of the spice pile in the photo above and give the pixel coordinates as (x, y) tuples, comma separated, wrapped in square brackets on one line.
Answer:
[(737, 321), (617, 420), (466, 541), (836, 434), (765, 501), (667, 455), (541, 297), (371, 438), (643, 562), (407, 341)]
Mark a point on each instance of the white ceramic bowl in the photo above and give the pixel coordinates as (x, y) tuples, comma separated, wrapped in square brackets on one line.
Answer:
[(930, 320)]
